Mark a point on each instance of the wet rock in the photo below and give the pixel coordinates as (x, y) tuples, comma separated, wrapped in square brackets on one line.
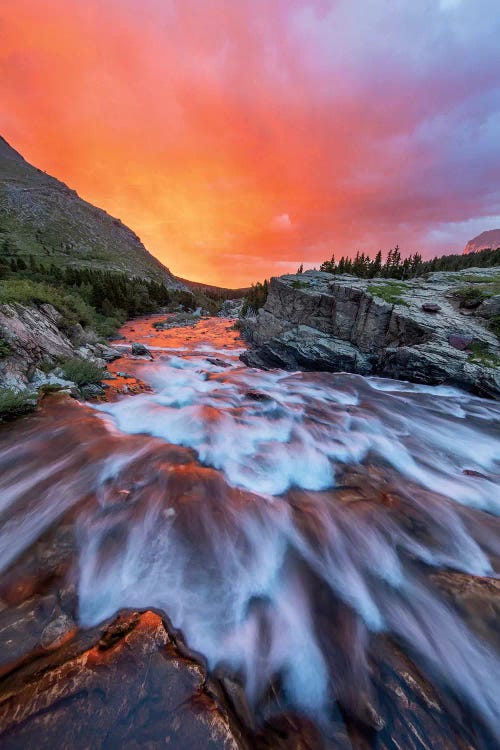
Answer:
[(257, 396), (414, 713), (107, 353), (92, 390), (303, 348), (431, 307), (477, 598), (218, 362), (138, 692), (22, 626), (56, 632), (140, 350)]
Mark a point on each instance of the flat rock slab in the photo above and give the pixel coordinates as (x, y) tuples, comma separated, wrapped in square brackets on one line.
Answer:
[(130, 689)]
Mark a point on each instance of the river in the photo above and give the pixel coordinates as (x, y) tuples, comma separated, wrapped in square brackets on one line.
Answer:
[(284, 521)]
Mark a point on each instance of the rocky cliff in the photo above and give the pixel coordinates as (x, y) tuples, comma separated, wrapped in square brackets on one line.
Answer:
[(433, 330), (43, 218), (484, 241)]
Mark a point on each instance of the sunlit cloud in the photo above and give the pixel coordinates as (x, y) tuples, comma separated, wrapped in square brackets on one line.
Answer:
[(276, 130), (281, 223)]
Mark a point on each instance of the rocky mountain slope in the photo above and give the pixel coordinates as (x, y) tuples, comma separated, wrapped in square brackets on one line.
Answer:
[(483, 241), (41, 217), (441, 329)]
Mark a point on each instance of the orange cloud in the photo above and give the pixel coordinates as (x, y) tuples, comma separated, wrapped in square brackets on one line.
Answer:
[(239, 139)]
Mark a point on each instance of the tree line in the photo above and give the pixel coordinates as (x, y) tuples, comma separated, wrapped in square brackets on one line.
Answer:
[(113, 295), (395, 267)]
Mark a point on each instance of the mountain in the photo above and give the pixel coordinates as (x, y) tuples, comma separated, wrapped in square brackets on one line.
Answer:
[(221, 292), (42, 217), (484, 241)]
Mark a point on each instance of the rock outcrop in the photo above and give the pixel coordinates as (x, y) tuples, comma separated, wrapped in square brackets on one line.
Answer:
[(34, 338), (484, 241), (414, 330)]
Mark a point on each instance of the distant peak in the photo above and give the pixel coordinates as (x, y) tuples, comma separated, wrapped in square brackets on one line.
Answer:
[(484, 241)]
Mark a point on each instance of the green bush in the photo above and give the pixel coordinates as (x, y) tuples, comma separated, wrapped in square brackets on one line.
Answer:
[(82, 372), (14, 403), (256, 298), (470, 296)]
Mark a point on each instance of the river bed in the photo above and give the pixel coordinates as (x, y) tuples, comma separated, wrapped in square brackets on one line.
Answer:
[(290, 525)]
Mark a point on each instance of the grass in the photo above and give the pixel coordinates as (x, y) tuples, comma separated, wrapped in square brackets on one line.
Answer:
[(299, 284), (389, 292), (82, 372), (480, 354), (495, 325), (14, 403), (472, 279)]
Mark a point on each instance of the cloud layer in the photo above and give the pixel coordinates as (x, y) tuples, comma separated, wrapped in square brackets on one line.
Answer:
[(242, 138)]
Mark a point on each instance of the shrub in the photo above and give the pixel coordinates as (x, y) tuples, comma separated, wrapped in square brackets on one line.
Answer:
[(14, 403), (81, 371), (4, 348), (256, 298), (71, 306), (470, 296)]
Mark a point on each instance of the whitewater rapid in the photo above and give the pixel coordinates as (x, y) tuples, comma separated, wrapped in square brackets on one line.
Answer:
[(252, 506)]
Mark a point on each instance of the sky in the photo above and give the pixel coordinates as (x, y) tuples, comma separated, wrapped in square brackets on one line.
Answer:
[(240, 138)]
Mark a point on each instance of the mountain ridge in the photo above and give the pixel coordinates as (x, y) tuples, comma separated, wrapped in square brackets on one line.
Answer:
[(40, 216)]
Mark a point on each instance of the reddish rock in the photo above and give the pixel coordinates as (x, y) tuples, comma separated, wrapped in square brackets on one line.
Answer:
[(460, 341), (131, 689)]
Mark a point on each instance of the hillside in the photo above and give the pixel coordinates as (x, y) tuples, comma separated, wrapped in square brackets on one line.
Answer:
[(218, 292), (43, 218)]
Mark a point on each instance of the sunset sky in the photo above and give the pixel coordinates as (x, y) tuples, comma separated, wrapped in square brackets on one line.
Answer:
[(240, 138)]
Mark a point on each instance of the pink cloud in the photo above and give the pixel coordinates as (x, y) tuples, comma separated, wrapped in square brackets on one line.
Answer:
[(195, 122)]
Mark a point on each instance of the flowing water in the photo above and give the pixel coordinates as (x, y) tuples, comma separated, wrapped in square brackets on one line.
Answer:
[(283, 521)]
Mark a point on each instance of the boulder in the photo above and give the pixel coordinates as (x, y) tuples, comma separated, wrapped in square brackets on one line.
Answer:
[(460, 341), (140, 350), (490, 307)]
